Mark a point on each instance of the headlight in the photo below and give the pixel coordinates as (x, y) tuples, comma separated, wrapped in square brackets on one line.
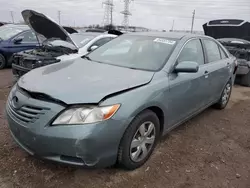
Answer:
[(86, 114)]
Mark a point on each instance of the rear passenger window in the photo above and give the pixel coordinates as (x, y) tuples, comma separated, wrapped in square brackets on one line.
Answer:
[(223, 54), (192, 51), (213, 52)]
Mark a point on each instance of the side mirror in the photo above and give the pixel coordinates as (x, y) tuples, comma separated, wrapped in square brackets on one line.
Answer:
[(92, 48), (187, 67), (18, 40)]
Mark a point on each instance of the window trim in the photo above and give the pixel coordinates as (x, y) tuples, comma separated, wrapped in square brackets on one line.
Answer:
[(99, 40), (177, 57), (222, 51), (23, 34), (207, 61)]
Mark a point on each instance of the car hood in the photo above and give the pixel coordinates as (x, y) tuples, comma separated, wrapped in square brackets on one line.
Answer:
[(45, 28), (82, 81)]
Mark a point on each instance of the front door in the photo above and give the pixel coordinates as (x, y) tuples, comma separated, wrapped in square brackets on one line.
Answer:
[(29, 41), (188, 92)]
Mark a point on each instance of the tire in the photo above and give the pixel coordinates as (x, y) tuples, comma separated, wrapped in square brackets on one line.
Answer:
[(128, 160), (225, 96), (2, 62), (245, 80)]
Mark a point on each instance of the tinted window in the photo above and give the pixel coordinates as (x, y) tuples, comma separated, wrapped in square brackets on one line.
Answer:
[(223, 54), (9, 32), (192, 51), (28, 37), (102, 41), (137, 52), (81, 40), (212, 49)]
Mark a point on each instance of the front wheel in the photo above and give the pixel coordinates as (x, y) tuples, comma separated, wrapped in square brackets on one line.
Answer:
[(139, 140), (224, 99)]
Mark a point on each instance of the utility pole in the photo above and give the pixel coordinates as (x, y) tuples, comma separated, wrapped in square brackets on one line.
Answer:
[(108, 12), (59, 17), (111, 15), (126, 14), (192, 27), (12, 16), (172, 29)]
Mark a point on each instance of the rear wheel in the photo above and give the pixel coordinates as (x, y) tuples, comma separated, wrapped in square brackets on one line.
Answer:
[(139, 140), (2, 61), (224, 99)]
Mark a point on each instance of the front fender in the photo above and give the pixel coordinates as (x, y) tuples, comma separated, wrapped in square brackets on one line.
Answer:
[(137, 100)]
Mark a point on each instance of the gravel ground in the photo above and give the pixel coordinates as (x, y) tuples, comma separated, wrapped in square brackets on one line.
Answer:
[(211, 150)]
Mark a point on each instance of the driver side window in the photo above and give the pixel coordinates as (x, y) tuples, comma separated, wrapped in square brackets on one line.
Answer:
[(101, 42), (192, 51), (28, 37)]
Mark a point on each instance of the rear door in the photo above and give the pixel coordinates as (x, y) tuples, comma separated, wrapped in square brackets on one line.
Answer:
[(218, 66), (188, 91)]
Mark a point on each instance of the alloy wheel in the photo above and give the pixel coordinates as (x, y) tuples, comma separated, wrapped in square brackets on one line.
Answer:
[(226, 94), (142, 142)]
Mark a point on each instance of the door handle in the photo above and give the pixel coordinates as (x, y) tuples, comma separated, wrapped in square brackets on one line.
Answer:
[(206, 74)]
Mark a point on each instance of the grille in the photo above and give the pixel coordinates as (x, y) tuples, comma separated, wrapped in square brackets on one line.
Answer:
[(26, 114), (27, 63)]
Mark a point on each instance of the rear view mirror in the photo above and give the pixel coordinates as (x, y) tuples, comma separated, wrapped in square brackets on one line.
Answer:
[(92, 48), (18, 40), (187, 67)]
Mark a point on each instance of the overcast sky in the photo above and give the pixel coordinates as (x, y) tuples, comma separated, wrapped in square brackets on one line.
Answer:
[(155, 14)]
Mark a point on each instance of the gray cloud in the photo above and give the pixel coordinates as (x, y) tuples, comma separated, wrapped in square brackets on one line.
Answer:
[(157, 14)]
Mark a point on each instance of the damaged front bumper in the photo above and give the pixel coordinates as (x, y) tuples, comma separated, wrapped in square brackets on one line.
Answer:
[(90, 145), (23, 63)]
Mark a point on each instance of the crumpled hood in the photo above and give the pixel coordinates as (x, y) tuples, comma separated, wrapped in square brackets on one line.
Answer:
[(45, 28), (82, 81)]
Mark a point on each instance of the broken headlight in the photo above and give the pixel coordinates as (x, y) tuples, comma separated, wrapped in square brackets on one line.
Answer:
[(86, 114)]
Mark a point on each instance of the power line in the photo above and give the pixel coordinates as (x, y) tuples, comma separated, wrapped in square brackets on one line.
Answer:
[(213, 5), (126, 13), (108, 12)]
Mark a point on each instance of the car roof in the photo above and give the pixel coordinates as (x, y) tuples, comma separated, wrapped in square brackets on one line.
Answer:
[(173, 35), (18, 26), (95, 34)]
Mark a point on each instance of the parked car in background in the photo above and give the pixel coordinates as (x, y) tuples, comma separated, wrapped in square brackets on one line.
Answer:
[(13, 39), (235, 36), (112, 105), (56, 44)]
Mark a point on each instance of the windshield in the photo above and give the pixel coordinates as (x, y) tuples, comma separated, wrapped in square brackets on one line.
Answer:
[(137, 52), (81, 40), (8, 32)]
